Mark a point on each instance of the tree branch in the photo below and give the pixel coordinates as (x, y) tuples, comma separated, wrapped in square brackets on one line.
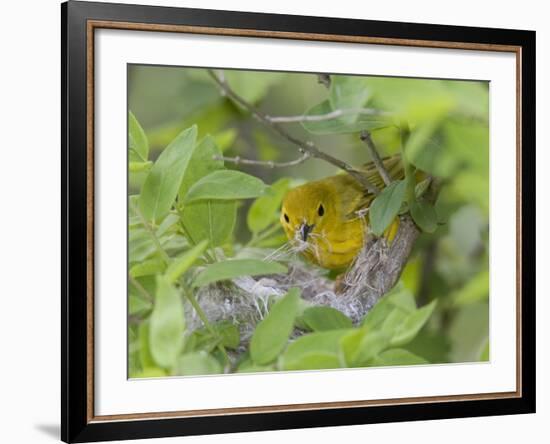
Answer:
[(366, 137), (304, 147), (266, 163), (328, 116), (378, 266)]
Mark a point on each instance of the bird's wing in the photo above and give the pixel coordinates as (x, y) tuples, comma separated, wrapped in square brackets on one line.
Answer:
[(355, 199), (393, 165)]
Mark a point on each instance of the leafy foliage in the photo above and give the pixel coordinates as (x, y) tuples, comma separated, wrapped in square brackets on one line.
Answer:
[(325, 318), (272, 333), (195, 222), (164, 179), (424, 215), (385, 207), (225, 185), (167, 325), (233, 268)]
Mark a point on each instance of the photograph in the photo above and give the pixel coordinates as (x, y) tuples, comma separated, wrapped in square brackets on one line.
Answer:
[(301, 221), (276, 221)]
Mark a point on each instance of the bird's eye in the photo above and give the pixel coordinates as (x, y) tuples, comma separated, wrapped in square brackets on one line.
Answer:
[(286, 218), (321, 210)]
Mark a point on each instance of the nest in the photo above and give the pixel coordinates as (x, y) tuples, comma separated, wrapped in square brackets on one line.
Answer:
[(245, 301)]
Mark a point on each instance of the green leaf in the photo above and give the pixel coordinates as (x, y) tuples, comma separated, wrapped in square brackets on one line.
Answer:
[(396, 316), (225, 185), (394, 321), (225, 333), (272, 333), (232, 268), (144, 348), (348, 92), (325, 318), (182, 263), (137, 305), (362, 345), (413, 100), (397, 356), (228, 333), (163, 181), (424, 216), (385, 206), (148, 283), (426, 151), (376, 316), (210, 220), (399, 298), (167, 325), (168, 225), (325, 342), (206, 220), (204, 161), (430, 345), (140, 245), (198, 363), (137, 140), (314, 361), (265, 210), (136, 167), (248, 366), (150, 372), (402, 298), (412, 324), (201, 340), (148, 267), (345, 124)]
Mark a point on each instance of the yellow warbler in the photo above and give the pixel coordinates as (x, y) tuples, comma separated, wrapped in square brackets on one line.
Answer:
[(326, 218)]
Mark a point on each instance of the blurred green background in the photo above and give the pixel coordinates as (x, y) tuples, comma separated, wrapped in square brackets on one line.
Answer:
[(449, 139)]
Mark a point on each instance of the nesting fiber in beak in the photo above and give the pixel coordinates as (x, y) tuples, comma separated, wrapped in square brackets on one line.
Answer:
[(304, 231)]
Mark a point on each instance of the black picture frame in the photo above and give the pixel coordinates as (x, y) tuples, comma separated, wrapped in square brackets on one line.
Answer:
[(76, 328)]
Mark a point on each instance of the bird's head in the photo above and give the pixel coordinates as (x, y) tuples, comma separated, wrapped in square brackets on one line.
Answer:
[(306, 211)]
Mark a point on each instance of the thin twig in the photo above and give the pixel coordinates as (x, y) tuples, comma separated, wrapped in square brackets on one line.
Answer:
[(328, 116), (304, 147), (267, 163), (140, 288), (366, 137), (324, 79), (164, 256)]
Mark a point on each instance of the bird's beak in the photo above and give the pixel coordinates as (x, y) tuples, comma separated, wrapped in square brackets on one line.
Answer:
[(304, 230)]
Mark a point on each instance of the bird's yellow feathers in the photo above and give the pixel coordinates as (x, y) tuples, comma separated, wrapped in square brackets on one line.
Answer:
[(325, 217)]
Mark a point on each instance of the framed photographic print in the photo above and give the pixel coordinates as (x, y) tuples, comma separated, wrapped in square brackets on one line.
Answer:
[(276, 221)]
